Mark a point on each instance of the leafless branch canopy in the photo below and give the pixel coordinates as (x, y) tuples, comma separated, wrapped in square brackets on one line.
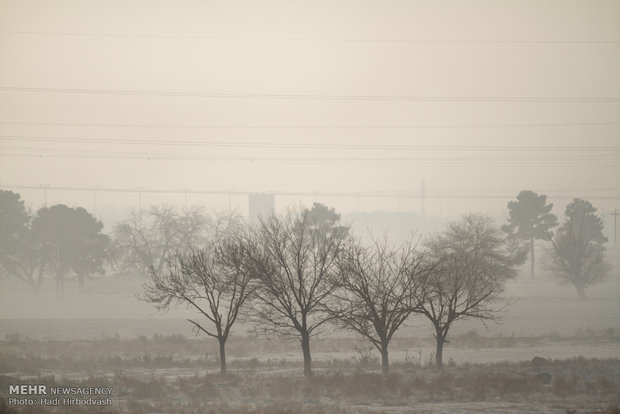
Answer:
[(471, 265), (378, 288), (295, 263), (147, 239), (214, 281)]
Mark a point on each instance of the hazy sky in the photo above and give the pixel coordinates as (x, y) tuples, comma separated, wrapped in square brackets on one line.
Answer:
[(307, 96)]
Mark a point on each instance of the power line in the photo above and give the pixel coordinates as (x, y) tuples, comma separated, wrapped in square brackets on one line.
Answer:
[(363, 161), (410, 98), (331, 146), (315, 127), (556, 153), (308, 39), (350, 194)]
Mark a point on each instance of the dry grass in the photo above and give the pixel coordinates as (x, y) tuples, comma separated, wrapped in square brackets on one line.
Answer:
[(276, 386), (573, 380)]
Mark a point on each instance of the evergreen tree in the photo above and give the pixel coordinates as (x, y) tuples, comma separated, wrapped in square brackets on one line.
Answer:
[(578, 253), (530, 219)]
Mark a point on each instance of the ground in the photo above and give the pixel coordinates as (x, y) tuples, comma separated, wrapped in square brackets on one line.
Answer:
[(176, 374), (155, 364)]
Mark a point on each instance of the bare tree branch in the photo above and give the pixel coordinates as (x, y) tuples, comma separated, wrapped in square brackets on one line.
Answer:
[(378, 288), (471, 261), (294, 258), (215, 281)]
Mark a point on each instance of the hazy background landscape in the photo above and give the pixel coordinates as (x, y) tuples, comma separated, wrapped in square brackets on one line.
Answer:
[(400, 115)]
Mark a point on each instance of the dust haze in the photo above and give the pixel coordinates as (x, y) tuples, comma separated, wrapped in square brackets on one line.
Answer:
[(314, 206)]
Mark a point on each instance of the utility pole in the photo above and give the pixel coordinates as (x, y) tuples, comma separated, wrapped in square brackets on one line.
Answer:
[(94, 188), (185, 190), (44, 186), (422, 195), (139, 190), (615, 214)]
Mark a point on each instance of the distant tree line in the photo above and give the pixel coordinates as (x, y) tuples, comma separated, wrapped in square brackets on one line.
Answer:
[(302, 272), (576, 254), (61, 242), (58, 241)]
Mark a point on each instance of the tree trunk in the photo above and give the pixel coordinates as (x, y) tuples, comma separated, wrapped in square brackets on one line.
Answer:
[(439, 352), (532, 258), (222, 341), (581, 291), (385, 362), (305, 347)]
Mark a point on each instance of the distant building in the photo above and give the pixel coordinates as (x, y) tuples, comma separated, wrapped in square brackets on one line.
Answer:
[(261, 204)]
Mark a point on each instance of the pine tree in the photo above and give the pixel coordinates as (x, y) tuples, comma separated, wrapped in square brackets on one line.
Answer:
[(530, 219)]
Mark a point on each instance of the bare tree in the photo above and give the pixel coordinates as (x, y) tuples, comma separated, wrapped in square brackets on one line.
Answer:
[(295, 263), (578, 253), (147, 239), (214, 281), (378, 288), (471, 262), (226, 225)]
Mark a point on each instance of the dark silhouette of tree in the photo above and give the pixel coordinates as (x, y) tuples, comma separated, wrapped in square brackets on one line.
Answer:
[(215, 281), (71, 241), (324, 217), (378, 288), (14, 219), (20, 246), (14, 222), (530, 219), (471, 263), (295, 263), (29, 263), (577, 255), (147, 239)]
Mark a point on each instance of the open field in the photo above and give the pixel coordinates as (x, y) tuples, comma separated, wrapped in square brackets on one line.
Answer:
[(529, 308), (95, 315), (155, 364), (175, 375)]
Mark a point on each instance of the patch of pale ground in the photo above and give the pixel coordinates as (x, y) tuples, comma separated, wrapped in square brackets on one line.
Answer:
[(530, 402), (462, 356), (478, 407)]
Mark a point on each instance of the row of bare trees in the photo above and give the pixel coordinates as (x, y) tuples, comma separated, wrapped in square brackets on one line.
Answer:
[(300, 273)]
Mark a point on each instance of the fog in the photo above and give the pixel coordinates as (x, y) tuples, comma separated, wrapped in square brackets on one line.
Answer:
[(400, 115)]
